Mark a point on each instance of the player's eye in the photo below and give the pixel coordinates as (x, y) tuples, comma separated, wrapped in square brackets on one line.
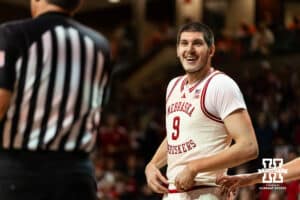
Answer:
[(198, 42), (183, 43)]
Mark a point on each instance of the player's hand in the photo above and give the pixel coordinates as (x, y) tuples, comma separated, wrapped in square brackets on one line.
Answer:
[(156, 181), (185, 179), (230, 184)]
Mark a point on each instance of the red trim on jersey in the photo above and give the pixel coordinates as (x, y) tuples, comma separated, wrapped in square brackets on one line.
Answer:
[(197, 187), (211, 70), (176, 82), (202, 100), (184, 82), (192, 88)]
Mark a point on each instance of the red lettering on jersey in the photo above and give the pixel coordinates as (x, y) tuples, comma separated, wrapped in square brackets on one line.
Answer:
[(181, 148), (191, 111), (181, 107), (193, 144), (188, 145), (177, 105)]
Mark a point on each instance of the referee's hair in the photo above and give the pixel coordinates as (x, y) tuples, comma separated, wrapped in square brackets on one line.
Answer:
[(68, 5)]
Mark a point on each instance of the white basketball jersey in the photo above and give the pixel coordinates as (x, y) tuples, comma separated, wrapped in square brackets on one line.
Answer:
[(192, 131)]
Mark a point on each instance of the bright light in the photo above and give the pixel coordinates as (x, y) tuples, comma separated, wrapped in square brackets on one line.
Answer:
[(113, 1)]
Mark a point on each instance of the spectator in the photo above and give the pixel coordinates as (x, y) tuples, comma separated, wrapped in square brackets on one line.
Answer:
[(262, 41)]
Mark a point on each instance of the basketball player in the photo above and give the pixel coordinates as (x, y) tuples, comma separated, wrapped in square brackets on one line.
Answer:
[(205, 111), (231, 183)]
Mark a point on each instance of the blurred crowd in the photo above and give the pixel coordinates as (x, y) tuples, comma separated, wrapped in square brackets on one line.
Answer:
[(272, 97), (260, 41), (247, 40), (133, 128)]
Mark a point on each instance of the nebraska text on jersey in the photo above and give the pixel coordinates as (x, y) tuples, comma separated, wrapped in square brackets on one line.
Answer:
[(180, 106)]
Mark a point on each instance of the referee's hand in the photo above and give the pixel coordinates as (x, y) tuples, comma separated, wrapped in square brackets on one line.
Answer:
[(156, 181)]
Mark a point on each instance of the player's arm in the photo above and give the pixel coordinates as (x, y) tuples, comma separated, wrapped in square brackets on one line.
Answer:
[(293, 172), (231, 183), (160, 157), (245, 148), (156, 181)]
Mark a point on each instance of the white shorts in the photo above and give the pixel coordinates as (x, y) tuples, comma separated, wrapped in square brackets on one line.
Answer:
[(202, 193)]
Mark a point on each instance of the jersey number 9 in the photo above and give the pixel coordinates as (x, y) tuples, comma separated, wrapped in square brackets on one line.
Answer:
[(176, 124)]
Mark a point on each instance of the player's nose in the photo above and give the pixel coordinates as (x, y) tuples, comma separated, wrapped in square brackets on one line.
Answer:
[(190, 48)]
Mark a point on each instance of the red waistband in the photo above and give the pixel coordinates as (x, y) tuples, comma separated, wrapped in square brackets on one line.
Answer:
[(197, 187)]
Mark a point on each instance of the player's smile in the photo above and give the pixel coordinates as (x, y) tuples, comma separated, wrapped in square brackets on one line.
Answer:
[(190, 58)]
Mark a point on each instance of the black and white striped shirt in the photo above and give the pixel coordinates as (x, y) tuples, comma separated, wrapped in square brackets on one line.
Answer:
[(57, 70)]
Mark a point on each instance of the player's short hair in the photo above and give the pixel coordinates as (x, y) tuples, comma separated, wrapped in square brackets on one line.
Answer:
[(197, 27), (69, 5)]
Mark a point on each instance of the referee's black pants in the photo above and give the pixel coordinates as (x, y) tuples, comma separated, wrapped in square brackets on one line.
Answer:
[(46, 176)]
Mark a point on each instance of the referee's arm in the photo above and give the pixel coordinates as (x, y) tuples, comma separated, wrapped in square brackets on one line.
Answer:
[(7, 70), (5, 96)]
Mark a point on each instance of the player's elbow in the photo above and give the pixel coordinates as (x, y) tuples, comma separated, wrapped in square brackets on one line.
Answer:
[(251, 151)]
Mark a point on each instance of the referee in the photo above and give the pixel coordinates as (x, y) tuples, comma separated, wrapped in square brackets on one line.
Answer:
[(53, 75)]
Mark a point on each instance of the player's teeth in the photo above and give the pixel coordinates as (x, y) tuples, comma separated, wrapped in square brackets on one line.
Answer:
[(191, 58)]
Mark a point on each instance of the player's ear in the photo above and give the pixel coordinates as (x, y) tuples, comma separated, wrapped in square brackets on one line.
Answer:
[(177, 52), (212, 50)]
